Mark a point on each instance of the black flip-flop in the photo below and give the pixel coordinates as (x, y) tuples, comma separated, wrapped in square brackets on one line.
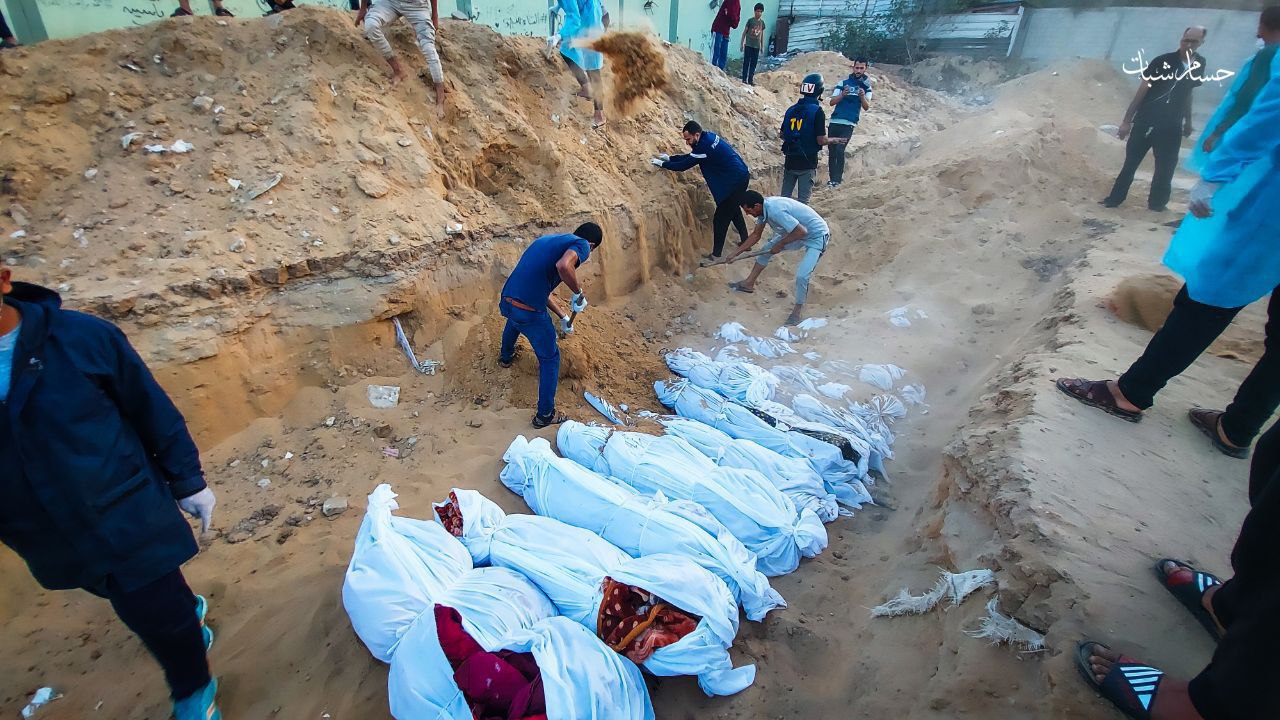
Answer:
[(1190, 594), (1095, 393), (1208, 422), (1130, 686), (738, 286)]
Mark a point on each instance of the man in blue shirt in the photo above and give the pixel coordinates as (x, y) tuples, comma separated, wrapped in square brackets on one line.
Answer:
[(727, 177), (98, 469), (803, 133), (850, 97), (526, 297), (795, 227)]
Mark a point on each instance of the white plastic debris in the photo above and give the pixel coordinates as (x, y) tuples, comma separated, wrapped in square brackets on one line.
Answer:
[(18, 234), (812, 323), (329, 421), (384, 396), (264, 483), (732, 332), (812, 356), (288, 455), (78, 236), (271, 182), (426, 367), (898, 317), (43, 696), (178, 146), (912, 394), (234, 183), (786, 335), (950, 586), (1001, 629), (454, 229), (91, 173), (127, 139), (833, 390), (881, 376), (887, 407)]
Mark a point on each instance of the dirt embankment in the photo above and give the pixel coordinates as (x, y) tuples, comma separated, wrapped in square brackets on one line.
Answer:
[(380, 208)]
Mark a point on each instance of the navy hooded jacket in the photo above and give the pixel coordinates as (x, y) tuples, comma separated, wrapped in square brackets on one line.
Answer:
[(95, 454), (722, 168)]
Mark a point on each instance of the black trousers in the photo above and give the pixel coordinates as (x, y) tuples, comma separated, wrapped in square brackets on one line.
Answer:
[(1164, 143), (750, 58), (835, 157), (5, 32), (1240, 680), (728, 211), (163, 615), (1190, 329)]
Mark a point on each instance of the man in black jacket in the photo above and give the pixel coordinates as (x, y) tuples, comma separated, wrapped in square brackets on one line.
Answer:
[(98, 462), (1159, 117)]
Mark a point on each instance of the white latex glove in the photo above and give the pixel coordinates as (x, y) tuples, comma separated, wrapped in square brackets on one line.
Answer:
[(1202, 197), (565, 326), (200, 506), (656, 162), (664, 157), (578, 303)]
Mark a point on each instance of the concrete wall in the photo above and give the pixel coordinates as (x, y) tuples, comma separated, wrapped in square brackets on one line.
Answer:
[(1117, 34), (683, 22)]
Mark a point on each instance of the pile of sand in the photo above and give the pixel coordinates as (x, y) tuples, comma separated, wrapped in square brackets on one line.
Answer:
[(959, 75), (638, 66)]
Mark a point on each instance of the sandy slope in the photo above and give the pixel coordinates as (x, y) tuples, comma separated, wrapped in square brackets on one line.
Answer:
[(984, 219)]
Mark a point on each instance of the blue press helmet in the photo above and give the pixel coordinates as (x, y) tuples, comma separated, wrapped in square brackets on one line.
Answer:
[(812, 84)]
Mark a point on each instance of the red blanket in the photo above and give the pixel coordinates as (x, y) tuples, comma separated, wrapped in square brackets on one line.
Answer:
[(450, 515), (637, 623), (504, 685)]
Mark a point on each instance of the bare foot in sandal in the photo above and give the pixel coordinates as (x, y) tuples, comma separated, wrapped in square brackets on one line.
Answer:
[(1139, 691), (1194, 589), (1102, 394)]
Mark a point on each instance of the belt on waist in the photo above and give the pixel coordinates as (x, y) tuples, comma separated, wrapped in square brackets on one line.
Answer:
[(519, 304)]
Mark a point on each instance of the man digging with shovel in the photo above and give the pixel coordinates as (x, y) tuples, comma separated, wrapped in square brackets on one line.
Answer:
[(526, 298), (795, 225)]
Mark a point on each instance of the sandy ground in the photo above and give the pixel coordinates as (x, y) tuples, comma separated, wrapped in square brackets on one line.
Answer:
[(983, 218)]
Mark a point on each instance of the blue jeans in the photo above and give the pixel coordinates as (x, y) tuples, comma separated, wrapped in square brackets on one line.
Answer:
[(541, 333), (719, 50), (804, 270)]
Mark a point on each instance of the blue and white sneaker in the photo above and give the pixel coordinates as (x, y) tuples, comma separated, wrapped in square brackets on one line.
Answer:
[(202, 705), (202, 611)]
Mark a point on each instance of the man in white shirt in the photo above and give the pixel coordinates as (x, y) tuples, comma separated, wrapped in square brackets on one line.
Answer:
[(795, 226)]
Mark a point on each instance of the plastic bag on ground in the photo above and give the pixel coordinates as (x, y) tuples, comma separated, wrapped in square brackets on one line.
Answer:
[(757, 513), (793, 476), (570, 565), (881, 376), (736, 421), (582, 679), (399, 568), (562, 489)]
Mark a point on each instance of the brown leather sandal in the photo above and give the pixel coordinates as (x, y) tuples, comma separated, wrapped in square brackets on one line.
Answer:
[(1095, 393)]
